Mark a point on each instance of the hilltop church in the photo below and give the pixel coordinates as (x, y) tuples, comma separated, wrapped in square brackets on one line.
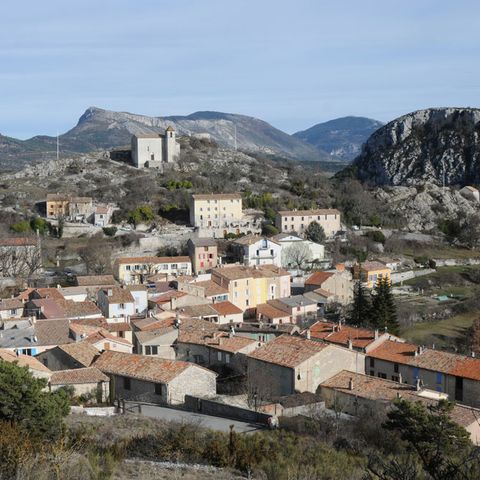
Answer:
[(155, 150)]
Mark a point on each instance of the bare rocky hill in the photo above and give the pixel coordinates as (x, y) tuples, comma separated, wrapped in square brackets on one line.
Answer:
[(431, 145)]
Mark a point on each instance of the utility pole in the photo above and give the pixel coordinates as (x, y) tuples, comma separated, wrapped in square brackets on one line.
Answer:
[(58, 147)]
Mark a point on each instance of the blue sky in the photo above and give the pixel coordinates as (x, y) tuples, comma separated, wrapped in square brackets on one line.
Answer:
[(291, 63)]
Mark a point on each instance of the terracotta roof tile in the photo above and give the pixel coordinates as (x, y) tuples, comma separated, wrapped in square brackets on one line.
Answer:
[(306, 213), (103, 335), (23, 360), (288, 351), (18, 241), (270, 311), (78, 376), (83, 352), (118, 295), (332, 333), (317, 278), (216, 196), (94, 280), (148, 368), (52, 332), (226, 308), (10, 304)]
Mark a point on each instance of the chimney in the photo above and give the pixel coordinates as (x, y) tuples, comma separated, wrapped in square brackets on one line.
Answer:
[(400, 378), (350, 344), (232, 330), (376, 334), (417, 384), (309, 335), (350, 384), (473, 354), (419, 349)]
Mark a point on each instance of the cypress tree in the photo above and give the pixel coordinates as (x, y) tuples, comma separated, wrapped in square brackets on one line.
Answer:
[(384, 310), (361, 307)]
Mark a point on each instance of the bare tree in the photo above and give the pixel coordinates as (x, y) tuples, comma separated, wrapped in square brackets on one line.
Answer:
[(297, 255), (97, 256), (20, 260)]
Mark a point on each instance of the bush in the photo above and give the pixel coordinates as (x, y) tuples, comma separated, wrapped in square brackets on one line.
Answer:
[(109, 231), (269, 230), (23, 226), (376, 236)]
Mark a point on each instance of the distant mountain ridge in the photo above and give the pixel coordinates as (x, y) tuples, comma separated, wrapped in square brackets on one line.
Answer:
[(434, 145), (342, 137)]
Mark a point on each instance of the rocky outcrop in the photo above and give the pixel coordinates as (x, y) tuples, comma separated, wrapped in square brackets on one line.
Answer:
[(342, 137), (423, 207), (434, 145)]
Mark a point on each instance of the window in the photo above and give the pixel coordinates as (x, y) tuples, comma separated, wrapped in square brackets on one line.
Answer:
[(121, 306), (372, 373), (151, 350), (372, 362), (152, 156), (382, 375), (227, 358), (158, 389), (247, 302), (395, 367), (395, 378), (128, 267), (126, 383), (219, 356), (13, 311), (439, 378)]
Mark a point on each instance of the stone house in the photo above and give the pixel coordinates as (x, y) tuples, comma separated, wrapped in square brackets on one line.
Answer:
[(68, 356), (220, 313), (336, 284), (358, 394), (290, 364), (102, 215), (155, 150), (213, 348), (153, 379), (253, 250), (207, 289), (298, 220), (215, 211), (444, 372), (203, 253), (11, 308), (103, 340), (69, 207), (140, 297), (298, 307), (84, 381)]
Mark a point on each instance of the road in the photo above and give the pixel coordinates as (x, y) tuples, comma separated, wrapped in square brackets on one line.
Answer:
[(207, 421)]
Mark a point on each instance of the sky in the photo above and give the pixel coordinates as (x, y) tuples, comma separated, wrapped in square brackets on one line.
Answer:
[(291, 63)]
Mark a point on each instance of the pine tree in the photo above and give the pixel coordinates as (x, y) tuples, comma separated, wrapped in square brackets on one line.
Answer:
[(361, 306), (384, 310)]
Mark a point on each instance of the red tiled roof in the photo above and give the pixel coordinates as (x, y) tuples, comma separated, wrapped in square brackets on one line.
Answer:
[(332, 333), (396, 352), (94, 280), (226, 308), (52, 293), (83, 352), (10, 304), (118, 295), (102, 335), (288, 351), (270, 311), (317, 278), (18, 241), (78, 376), (23, 360), (152, 323), (148, 368)]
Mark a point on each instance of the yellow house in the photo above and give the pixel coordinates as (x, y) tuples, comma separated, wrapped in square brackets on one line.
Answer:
[(215, 210), (251, 286), (371, 272)]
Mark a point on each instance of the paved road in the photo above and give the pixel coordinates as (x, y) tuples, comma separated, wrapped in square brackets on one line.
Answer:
[(207, 421)]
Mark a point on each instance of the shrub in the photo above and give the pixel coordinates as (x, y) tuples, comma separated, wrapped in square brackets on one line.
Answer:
[(109, 231), (376, 236), (23, 226), (269, 230)]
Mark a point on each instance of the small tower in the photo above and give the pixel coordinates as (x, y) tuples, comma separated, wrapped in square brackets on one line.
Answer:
[(172, 148)]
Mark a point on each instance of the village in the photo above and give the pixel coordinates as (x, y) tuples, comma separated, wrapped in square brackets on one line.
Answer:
[(251, 332)]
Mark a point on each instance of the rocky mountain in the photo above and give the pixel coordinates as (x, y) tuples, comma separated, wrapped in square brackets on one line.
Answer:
[(342, 137), (436, 145), (99, 129)]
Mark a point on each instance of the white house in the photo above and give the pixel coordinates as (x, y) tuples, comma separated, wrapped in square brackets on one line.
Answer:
[(102, 215), (139, 294), (255, 250), (115, 302), (155, 150), (294, 246)]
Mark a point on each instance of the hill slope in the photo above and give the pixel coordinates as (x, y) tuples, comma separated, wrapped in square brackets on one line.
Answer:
[(422, 146), (99, 129), (342, 137)]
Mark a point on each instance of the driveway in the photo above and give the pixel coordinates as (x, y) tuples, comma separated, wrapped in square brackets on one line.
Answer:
[(215, 423)]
